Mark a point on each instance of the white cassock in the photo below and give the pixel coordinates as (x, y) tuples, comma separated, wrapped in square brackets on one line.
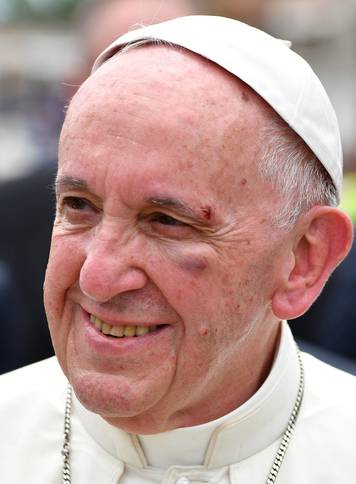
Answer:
[(238, 448)]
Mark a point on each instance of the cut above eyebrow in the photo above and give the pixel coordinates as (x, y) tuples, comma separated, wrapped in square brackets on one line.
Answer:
[(70, 183)]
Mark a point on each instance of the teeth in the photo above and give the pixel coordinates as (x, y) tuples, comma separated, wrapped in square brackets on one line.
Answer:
[(96, 321), (105, 328), (117, 331), (120, 331), (140, 330), (130, 330)]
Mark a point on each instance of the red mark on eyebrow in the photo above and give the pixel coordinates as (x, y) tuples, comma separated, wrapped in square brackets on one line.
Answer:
[(206, 211)]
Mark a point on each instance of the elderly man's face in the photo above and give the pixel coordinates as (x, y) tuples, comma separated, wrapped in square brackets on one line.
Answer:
[(163, 231)]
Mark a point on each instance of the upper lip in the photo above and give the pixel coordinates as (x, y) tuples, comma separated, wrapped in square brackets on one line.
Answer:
[(117, 322)]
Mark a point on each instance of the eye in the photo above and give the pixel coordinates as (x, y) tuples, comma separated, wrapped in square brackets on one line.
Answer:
[(76, 211), (163, 225), (165, 219), (76, 203)]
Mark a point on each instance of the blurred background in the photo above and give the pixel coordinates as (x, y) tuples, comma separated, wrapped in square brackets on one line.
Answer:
[(46, 50)]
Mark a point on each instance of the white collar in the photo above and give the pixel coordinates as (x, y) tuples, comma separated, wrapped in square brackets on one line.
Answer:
[(236, 436)]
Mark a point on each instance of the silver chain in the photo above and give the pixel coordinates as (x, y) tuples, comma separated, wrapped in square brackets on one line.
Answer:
[(286, 437), (66, 441), (271, 479)]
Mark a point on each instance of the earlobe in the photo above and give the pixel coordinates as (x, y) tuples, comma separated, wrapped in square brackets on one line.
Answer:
[(324, 240)]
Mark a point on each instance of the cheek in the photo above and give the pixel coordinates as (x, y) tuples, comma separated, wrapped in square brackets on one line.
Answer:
[(219, 299), (62, 272), (178, 272), (207, 286), (194, 279)]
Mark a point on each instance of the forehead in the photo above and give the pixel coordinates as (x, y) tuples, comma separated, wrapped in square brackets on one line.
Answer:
[(164, 103), (161, 78)]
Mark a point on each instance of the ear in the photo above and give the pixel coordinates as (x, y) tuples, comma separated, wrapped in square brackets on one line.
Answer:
[(324, 239)]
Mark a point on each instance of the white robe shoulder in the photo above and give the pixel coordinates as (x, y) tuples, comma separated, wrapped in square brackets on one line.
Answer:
[(322, 449)]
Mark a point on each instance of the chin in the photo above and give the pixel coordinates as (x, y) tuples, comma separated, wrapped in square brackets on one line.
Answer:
[(111, 396)]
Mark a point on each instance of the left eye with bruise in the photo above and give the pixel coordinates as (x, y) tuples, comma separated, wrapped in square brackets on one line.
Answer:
[(165, 219), (166, 226)]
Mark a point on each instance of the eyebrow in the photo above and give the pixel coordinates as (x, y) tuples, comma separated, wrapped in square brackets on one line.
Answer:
[(67, 183), (64, 183)]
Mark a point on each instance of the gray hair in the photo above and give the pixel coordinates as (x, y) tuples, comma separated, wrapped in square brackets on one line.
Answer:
[(294, 172), (286, 162)]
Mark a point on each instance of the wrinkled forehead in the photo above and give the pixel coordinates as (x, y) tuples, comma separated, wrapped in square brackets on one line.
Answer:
[(190, 111), (173, 81), (171, 77)]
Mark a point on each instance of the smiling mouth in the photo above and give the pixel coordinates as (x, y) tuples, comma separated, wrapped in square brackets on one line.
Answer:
[(122, 331)]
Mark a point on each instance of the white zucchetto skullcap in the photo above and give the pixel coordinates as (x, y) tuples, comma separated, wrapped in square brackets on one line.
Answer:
[(268, 65)]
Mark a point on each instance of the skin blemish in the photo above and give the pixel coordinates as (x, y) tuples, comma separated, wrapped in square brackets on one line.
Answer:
[(206, 212), (243, 181), (245, 96), (204, 331)]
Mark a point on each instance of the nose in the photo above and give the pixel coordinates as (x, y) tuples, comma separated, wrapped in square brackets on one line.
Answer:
[(110, 268)]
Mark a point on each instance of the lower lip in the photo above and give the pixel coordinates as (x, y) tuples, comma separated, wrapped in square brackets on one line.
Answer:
[(101, 343)]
